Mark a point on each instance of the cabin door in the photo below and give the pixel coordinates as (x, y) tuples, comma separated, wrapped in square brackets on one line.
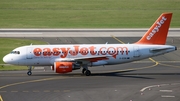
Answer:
[(29, 53)]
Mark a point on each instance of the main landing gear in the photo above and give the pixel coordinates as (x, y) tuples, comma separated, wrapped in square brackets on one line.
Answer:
[(85, 70), (29, 70)]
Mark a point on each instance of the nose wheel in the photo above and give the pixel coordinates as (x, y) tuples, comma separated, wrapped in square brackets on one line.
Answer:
[(29, 73), (29, 70)]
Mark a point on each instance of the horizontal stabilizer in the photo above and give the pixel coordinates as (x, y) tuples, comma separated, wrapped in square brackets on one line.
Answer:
[(159, 49)]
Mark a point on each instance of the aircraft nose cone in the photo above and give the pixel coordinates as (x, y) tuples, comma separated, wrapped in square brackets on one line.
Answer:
[(5, 59)]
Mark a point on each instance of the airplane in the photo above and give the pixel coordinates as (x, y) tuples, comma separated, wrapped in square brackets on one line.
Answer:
[(65, 58)]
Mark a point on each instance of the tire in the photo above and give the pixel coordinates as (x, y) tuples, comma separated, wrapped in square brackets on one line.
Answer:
[(88, 72), (29, 73)]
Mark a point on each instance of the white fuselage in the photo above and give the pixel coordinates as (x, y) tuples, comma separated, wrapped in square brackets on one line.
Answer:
[(46, 55)]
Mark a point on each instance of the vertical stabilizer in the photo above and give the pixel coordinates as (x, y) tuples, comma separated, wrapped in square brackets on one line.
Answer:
[(157, 33)]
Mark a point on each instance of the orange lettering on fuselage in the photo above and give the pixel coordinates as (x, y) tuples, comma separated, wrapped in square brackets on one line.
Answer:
[(77, 50), (46, 52), (122, 50), (56, 51), (103, 51), (112, 51), (37, 51), (92, 50), (65, 52), (84, 51)]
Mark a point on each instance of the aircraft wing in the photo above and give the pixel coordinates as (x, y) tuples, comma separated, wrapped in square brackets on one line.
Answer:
[(92, 58), (84, 59)]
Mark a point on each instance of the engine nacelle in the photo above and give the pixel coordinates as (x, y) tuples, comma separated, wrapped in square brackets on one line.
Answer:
[(63, 67)]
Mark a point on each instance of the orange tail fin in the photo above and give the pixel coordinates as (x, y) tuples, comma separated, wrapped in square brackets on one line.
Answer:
[(157, 33)]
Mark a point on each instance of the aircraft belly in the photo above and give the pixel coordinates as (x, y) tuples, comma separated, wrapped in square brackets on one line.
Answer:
[(37, 62)]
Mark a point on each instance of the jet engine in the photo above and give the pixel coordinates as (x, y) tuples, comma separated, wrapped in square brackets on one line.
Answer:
[(64, 67)]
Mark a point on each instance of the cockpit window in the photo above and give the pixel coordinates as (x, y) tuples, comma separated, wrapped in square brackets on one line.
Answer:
[(15, 52)]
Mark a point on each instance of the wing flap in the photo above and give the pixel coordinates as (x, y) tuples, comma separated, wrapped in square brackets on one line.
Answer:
[(82, 59)]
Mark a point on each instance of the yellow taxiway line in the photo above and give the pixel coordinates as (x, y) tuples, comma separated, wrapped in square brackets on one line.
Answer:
[(1, 98), (32, 81), (117, 39)]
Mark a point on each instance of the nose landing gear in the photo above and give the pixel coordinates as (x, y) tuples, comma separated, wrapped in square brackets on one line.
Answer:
[(29, 70)]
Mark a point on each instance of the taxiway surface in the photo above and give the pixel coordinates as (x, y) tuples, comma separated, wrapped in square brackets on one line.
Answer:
[(146, 80)]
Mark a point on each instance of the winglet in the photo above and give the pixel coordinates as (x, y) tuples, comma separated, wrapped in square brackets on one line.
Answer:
[(157, 33)]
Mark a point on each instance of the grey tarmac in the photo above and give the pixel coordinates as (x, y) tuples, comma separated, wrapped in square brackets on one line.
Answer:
[(145, 80)]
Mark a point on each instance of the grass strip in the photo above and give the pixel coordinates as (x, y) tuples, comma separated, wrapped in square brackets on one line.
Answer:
[(85, 13)]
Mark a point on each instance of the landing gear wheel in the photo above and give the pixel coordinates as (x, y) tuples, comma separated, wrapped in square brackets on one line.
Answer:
[(88, 72), (29, 73), (83, 70), (29, 70)]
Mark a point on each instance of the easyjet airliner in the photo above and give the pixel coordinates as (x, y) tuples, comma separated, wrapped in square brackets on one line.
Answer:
[(65, 58)]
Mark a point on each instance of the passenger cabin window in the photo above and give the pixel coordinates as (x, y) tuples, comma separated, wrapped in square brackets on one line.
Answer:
[(15, 52)]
